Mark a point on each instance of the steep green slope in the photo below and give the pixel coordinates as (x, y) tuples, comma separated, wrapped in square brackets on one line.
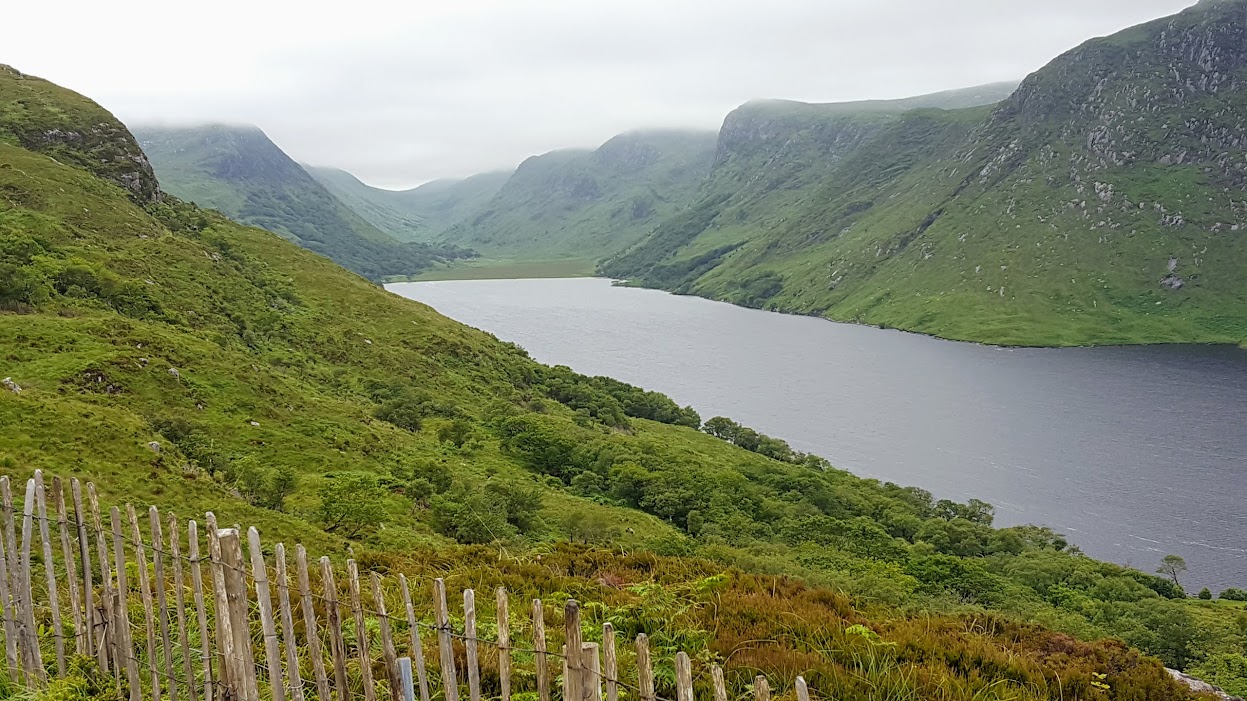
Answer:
[(418, 214), (180, 359), (1101, 203), (588, 204), (239, 171)]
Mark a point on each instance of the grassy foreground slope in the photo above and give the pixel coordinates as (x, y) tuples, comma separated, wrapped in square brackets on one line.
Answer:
[(178, 358), (588, 204), (419, 214), (1101, 203), (240, 172)]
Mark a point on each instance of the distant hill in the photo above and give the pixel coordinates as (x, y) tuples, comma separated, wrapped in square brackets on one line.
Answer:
[(1102, 202), (589, 204), (418, 214), (239, 171)]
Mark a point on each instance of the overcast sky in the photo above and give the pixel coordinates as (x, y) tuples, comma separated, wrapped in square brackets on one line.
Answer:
[(403, 92)]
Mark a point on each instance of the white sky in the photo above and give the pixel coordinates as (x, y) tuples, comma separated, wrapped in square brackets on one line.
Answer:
[(402, 92)]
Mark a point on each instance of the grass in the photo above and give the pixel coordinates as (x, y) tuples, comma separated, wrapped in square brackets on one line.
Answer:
[(486, 269)]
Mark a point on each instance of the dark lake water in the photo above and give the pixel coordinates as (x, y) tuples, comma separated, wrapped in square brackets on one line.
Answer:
[(1132, 452)]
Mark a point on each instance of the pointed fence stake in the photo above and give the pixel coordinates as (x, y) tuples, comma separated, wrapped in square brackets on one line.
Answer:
[(315, 650), (716, 679), (49, 569), (387, 640), (611, 660), (504, 644), (334, 616), (450, 684), (71, 567), (88, 576), (201, 613), (162, 600), (179, 601), (414, 628), (539, 643), (761, 689), (803, 691), (121, 610), (361, 633), (644, 668), (264, 595), (573, 679), (683, 677), (288, 640)]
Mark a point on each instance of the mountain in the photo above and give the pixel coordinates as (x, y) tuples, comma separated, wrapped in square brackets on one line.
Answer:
[(242, 173), (418, 214), (178, 358), (1102, 202), (588, 204)]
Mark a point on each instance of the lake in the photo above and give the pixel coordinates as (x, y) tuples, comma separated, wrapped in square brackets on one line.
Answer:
[(1132, 452)]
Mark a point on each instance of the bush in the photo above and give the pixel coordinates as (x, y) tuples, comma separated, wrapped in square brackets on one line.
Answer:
[(1233, 594), (1205, 594)]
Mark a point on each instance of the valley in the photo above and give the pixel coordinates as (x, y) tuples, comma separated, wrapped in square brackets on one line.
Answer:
[(195, 320)]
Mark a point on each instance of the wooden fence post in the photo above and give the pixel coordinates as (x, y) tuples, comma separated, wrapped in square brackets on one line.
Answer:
[(335, 629), (591, 658), (539, 643), (107, 642), (469, 644), (239, 655), (179, 601), (121, 610), (573, 680), (761, 689), (71, 569), (803, 691), (504, 644), (264, 595), (716, 679), (387, 639), (683, 677), (162, 600), (201, 613), (287, 624), (361, 632), (88, 577), (611, 661), (417, 653), (6, 567), (644, 668), (49, 569), (314, 647), (450, 684), (32, 654), (145, 592)]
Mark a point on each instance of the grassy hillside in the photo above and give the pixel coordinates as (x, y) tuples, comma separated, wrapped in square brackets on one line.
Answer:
[(178, 358), (240, 172), (418, 214), (588, 204), (1100, 203)]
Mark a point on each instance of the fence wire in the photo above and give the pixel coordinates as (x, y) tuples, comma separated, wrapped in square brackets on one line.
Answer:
[(75, 529)]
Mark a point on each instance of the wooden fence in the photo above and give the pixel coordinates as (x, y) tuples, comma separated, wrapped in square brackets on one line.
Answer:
[(168, 623)]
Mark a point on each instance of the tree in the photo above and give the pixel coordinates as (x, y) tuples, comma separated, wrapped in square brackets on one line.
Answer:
[(351, 502), (457, 432), (721, 427), (1171, 566), (1205, 594)]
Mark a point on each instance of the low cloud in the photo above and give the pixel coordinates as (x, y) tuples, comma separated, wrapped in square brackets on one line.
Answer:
[(400, 95)]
